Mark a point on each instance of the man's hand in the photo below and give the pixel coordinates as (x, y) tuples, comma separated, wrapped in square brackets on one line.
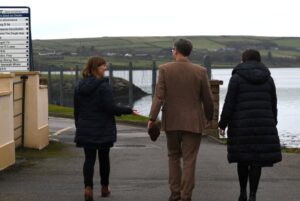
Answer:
[(150, 124)]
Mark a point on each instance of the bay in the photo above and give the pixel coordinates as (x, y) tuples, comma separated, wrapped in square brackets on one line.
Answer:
[(287, 81)]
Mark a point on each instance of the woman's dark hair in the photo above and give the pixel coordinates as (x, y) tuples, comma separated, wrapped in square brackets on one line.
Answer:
[(251, 55), (91, 66), (183, 46)]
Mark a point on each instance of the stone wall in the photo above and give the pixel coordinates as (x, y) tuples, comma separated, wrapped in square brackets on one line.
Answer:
[(36, 130), (7, 143), (215, 88)]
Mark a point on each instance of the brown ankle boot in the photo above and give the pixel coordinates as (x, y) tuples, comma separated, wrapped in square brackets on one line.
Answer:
[(105, 192), (88, 194)]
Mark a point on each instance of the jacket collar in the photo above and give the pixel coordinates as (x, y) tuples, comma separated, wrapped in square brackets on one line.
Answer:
[(183, 59)]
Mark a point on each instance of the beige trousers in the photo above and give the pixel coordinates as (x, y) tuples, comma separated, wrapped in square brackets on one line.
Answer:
[(185, 145)]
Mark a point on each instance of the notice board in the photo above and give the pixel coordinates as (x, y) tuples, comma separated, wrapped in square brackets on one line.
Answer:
[(15, 39)]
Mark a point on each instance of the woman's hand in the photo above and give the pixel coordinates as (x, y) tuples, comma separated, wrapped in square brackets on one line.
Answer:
[(135, 112), (221, 132), (208, 124)]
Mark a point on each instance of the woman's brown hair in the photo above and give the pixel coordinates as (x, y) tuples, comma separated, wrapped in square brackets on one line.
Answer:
[(91, 66), (251, 55)]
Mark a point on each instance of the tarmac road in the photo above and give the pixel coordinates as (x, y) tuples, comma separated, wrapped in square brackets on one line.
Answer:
[(139, 172)]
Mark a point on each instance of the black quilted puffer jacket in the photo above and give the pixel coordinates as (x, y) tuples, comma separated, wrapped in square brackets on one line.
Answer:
[(94, 111), (250, 113)]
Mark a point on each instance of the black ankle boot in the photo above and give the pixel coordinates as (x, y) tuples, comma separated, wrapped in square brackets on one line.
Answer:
[(243, 196), (252, 197)]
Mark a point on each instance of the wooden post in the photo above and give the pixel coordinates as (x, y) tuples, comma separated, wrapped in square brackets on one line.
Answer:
[(130, 85), (110, 69), (49, 85), (207, 65), (76, 74), (61, 86), (154, 68)]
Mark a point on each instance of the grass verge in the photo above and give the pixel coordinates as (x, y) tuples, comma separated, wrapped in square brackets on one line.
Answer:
[(54, 149), (290, 150), (60, 111), (27, 157), (67, 112)]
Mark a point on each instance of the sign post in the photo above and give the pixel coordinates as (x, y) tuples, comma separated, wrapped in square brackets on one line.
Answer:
[(15, 39)]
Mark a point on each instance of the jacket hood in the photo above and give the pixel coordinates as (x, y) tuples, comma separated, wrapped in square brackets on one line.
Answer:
[(253, 71), (89, 84)]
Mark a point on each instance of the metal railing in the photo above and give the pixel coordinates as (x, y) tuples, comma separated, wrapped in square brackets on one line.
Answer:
[(22, 113)]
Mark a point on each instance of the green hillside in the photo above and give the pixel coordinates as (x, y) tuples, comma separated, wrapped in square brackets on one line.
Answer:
[(225, 50)]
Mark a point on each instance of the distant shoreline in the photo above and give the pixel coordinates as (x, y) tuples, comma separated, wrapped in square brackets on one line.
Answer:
[(267, 66), (224, 51), (148, 68)]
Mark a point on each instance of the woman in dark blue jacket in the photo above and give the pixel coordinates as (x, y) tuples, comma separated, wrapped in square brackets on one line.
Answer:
[(94, 111), (250, 113)]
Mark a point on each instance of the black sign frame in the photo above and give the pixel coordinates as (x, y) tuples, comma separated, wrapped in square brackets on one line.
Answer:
[(31, 64)]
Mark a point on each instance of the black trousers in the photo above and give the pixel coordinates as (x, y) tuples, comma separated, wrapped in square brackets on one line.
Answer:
[(253, 172), (89, 163)]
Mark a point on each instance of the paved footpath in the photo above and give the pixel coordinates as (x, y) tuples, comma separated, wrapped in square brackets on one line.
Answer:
[(139, 172)]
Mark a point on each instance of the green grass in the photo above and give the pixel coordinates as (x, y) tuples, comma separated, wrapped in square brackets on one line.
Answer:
[(105, 43), (288, 42), (61, 111), (203, 43), (26, 157), (133, 118), (125, 62), (55, 110), (69, 62), (290, 150), (117, 43), (285, 54), (72, 44), (153, 46), (54, 149), (281, 53), (226, 39), (224, 65), (163, 44)]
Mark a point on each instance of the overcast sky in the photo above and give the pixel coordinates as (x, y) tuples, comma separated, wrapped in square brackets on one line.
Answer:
[(96, 18)]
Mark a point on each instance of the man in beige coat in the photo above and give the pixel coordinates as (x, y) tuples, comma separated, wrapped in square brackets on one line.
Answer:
[(183, 94)]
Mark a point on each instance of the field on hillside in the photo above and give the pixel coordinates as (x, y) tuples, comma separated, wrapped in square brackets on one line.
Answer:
[(224, 50)]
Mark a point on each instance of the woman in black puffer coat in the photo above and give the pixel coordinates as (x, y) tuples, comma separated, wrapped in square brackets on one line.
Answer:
[(94, 111), (250, 113)]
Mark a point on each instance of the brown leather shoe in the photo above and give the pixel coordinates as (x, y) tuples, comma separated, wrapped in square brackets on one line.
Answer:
[(88, 193), (105, 192)]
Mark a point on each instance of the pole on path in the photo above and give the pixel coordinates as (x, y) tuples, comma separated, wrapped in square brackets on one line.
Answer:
[(207, 65), (110, 70), (61, 86), (130, 85), (49, 85), (154, 68), (76, 74)]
